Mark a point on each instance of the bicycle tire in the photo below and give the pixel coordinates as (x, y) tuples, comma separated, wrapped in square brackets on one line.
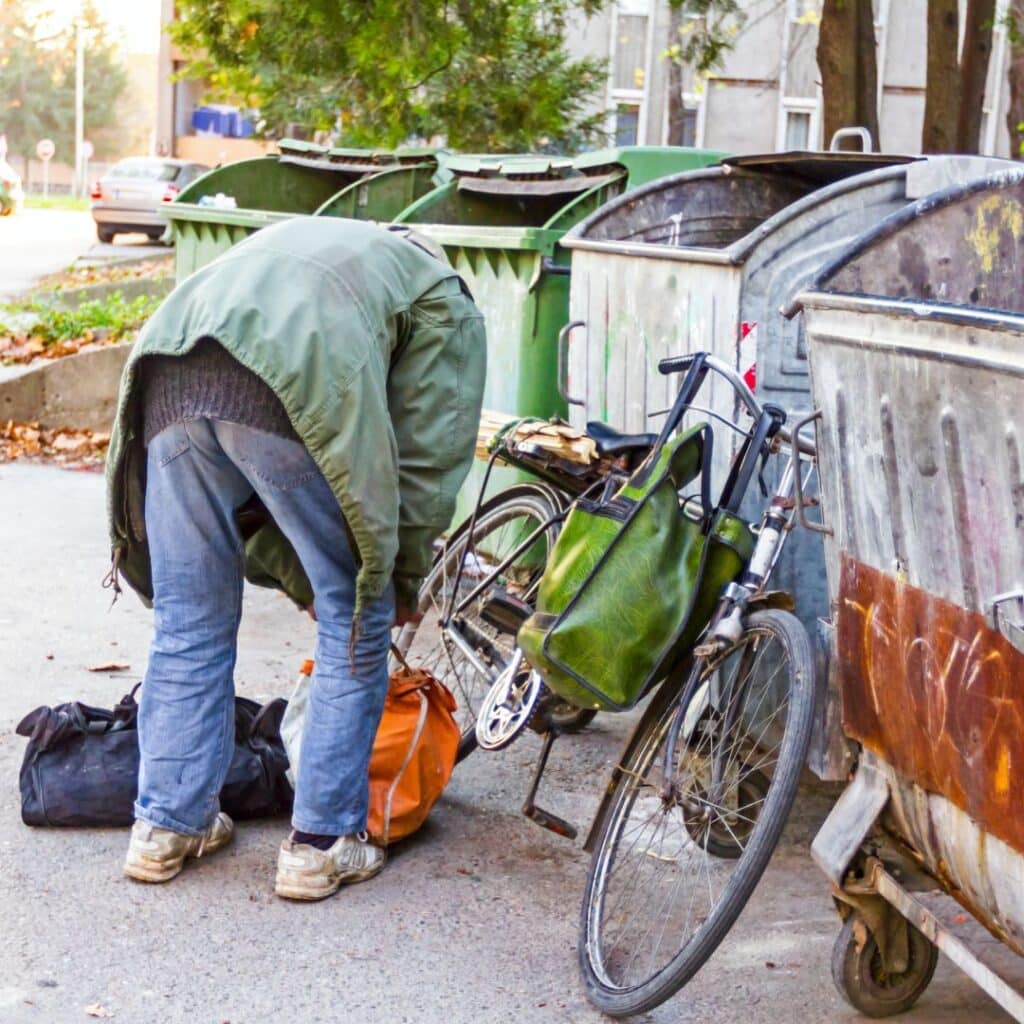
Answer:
[(525, 502), (666, 978)]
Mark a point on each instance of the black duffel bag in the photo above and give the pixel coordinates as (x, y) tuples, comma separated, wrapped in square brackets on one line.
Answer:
[(81, 766)]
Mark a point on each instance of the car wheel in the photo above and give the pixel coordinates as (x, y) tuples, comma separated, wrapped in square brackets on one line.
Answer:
[(105, 235)]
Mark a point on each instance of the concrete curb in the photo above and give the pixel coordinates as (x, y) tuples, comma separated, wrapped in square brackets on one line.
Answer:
[(76, 391), (72, 298)]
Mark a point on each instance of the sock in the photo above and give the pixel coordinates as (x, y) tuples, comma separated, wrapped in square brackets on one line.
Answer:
[(312, 839)]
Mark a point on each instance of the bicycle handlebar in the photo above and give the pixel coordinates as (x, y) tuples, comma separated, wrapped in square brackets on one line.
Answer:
[(678, 364)]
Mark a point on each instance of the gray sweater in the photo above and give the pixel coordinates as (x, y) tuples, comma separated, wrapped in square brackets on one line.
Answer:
[(209, 382)]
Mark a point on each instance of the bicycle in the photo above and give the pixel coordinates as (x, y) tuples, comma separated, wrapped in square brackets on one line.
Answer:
[(481, 585), (700, 795)]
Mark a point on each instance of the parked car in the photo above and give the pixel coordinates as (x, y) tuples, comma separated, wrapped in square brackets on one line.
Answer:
[(132, 194), (11, 194)]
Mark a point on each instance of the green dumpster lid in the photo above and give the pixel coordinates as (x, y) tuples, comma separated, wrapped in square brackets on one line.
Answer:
[(368, 155), (417, 152), (645, 163), (513, 186), (509, 164), (301, 147)]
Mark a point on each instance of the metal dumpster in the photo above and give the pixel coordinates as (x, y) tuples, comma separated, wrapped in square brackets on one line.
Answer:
[(501, 224), (703, 261), (915, 338), (302, 179)]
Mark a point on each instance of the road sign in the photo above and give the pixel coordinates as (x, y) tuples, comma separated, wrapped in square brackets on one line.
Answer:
[(87, 149), (45, 149)]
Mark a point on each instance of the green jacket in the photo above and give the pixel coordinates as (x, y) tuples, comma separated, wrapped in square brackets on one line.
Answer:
[(378, 356)]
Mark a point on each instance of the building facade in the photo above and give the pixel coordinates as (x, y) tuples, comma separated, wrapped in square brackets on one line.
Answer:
[(767, 95), (177, 100)]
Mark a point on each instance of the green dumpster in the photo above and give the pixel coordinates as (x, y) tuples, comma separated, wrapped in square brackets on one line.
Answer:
[(303, 178), (501, 221)]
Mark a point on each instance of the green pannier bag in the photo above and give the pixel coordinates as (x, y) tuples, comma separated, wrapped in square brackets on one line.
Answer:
[(633, 579)]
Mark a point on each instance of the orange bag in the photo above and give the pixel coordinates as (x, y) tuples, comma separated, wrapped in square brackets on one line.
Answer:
[(413, 754)]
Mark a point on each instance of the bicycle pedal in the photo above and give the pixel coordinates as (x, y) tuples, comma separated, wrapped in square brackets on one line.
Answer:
[(504, 611), (551, 822)]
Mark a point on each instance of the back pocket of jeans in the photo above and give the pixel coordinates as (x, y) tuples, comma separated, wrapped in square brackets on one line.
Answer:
[(278, 461)]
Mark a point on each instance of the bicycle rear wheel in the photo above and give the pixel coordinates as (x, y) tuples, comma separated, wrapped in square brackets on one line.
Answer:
[(677, 859), (503, 524)]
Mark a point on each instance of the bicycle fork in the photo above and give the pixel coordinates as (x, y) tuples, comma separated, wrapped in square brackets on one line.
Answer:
[(724, 630)]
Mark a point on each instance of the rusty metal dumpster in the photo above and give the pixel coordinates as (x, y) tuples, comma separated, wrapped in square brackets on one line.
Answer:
[(703, 261), (915, 339)]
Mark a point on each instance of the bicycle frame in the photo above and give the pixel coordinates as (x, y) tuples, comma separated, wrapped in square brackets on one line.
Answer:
[(727, 624), (453, 606)]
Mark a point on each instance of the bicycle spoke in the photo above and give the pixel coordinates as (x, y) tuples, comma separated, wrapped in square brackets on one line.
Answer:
[(663, 886)]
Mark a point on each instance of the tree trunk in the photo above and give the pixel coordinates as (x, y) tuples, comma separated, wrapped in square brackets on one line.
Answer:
[(676, 106), (867, 71), (837, 64), (1015, 115), (849, 74), (942, 85), (974, 72)]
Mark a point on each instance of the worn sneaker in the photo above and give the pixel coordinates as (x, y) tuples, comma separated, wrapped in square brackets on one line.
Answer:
[(158, 854), (306, 873)]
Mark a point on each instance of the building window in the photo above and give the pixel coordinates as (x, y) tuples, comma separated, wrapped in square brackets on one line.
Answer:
[(630, 56), (627, 124), (690, 126), (798, 130), (804, 12), (799, 124), (630, 51)]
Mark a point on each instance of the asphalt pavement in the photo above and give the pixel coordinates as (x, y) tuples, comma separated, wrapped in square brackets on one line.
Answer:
[(38, 242), (473, 920)]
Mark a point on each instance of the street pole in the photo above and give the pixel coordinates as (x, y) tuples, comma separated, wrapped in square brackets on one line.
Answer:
[(79, 104)]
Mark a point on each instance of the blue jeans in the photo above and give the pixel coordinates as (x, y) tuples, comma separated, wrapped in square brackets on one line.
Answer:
[(198, 473)]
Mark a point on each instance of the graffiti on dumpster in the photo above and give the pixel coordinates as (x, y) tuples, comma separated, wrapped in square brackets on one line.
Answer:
[(930, 688)]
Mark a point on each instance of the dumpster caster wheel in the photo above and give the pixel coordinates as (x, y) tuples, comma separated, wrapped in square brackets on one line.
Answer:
[(861, 977)]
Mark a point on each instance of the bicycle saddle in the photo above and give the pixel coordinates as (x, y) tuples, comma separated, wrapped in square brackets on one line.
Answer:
[(612, 442)]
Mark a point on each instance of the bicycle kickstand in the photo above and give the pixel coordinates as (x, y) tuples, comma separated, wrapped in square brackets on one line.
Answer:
[(537, 814)]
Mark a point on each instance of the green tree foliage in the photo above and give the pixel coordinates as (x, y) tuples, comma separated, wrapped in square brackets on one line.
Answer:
[(37, 83), (705, 32), (491, 74)]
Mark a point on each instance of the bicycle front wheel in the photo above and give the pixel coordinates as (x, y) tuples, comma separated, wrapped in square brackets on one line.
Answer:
[(468, 653), (682, 847)]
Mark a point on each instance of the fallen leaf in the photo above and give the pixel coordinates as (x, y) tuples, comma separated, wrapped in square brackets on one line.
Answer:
[(769, 964), (69, 443), (96, 1010), (109, 666)]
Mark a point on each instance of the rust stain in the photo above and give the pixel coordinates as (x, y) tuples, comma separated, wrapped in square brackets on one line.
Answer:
[(930, 688)]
